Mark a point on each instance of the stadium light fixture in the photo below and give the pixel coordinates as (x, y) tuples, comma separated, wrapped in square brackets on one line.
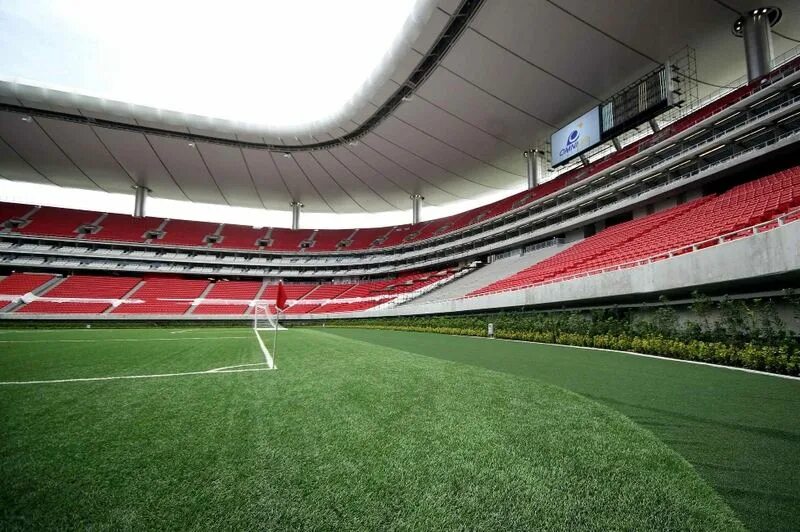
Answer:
[(96, 49)]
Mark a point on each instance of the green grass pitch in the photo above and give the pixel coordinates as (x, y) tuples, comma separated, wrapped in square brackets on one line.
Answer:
[(383, 430)]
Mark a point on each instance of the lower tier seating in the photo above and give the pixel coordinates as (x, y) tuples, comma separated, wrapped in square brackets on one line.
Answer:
[(163, 295), (18, 284), (92, 294), (657, 236)]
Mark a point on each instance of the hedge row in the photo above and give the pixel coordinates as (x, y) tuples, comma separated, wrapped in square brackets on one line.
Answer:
[(776, 359)]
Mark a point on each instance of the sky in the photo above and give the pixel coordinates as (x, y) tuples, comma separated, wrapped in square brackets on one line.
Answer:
[(282, 65), (286, 65)]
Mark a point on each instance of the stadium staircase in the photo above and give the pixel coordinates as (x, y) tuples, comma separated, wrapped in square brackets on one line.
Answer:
[(490, 273)]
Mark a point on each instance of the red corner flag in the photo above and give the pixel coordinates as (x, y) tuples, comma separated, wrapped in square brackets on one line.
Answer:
[(280, 299)]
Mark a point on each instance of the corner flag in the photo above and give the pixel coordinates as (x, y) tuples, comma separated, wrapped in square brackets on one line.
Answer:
[(280, 298)]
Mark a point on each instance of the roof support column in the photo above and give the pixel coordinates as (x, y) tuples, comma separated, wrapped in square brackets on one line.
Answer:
[(754, 27), (140, 198), (296, 206), (416, 208), (534, 166)]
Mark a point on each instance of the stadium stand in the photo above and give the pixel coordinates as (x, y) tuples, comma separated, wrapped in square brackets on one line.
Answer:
[(696, 223), (240, 237), (122, 228), (186, 233), (365, 238), (82, 286), (244, 291), (164, 295), (51, 221), (9, 211), (64, 223), (288, 239), (177, 296), (18, 284), (329, 240)]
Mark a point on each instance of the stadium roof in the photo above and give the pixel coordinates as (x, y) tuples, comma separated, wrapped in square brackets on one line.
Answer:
[(457, 92)]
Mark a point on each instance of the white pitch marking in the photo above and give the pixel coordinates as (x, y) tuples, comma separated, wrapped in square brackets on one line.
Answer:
[(215, 371), (645, 355), (267, 356), (85, 340), (226, 368)]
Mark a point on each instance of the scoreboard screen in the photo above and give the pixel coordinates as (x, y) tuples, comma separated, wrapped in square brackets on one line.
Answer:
[(578, 136), (637, 103)]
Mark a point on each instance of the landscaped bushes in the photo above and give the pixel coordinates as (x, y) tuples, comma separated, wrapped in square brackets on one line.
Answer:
[(743, 334)]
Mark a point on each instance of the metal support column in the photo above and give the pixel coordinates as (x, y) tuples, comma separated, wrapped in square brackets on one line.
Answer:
[(140, 198), (534, 167), (754, 28), (296, 206), (416, 208)]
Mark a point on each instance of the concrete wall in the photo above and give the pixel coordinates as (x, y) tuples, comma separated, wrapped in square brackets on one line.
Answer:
[(761, 255)]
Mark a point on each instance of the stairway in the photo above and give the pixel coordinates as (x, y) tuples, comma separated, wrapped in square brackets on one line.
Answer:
[(488, 274)]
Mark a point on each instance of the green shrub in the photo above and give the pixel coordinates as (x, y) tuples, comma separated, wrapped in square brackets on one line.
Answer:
[(745, 335)]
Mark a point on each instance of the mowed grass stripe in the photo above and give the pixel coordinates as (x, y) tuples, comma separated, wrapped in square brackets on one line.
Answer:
[(346, 435), (122, 352), (741, 431)]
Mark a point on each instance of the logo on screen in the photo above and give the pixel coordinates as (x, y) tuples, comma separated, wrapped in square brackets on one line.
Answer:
[(572, 141)]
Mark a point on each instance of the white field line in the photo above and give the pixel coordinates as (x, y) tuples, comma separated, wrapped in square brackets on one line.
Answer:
[(92, 340), (226, 368), (239, 368), (267, 356), (215, 371), (657, 357)]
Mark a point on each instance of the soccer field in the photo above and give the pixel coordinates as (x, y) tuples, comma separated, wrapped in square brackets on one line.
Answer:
[(373, 430)]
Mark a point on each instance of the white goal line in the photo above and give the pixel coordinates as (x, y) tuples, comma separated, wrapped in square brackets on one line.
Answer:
[(96, 340), (215, 371)]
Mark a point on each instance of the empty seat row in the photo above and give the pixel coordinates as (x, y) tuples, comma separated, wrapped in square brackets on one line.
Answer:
[(699, 222)]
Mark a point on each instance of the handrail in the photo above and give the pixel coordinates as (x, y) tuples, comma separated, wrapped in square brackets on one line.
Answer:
[(681, 250)]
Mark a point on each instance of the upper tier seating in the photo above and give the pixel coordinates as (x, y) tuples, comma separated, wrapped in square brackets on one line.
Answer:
[(672, 230), (186, 233), (124, 228), (288, 239), (364, 238), (328, 240), (51, 221), (18, 284), (12, 210), (240, 237)]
